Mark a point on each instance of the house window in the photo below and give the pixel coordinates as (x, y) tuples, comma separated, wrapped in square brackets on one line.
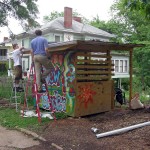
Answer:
[(3, 52), (125, 66), (22, 42), (112, 62), (57, 38), (121, 66), (116, 65), (23, 65)]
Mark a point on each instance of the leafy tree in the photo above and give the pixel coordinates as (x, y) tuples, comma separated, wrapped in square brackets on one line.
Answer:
[(53, 15), (23, 10), (140, 33), (133, 20), (112, 26), (141, 5)]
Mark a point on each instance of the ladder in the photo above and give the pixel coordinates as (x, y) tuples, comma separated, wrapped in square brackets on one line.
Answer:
[(31, 82), (16, 96)]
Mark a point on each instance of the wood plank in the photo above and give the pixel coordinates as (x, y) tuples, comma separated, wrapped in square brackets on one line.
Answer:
[(92, 61), (110, 63), (92, 78), (91, 67), (92, 72), (91, 55)]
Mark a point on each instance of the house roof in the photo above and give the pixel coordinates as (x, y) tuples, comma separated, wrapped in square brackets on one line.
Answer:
[(77, 27), (6, 43), (89, 46)]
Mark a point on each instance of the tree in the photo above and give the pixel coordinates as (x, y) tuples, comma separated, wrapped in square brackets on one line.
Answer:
[(23, 10), (140, 33), (142, 5), (112, 26), (53, 15)]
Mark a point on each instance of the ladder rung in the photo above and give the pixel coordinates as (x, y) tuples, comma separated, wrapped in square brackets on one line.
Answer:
[(16, 96), (15, 103)]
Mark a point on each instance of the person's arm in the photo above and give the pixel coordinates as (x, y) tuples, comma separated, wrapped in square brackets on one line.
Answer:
[(21, 48)]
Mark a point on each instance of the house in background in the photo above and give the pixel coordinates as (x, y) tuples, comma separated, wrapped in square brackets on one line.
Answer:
[(5, 47), (121, 67), (70, 28), (61, 29)]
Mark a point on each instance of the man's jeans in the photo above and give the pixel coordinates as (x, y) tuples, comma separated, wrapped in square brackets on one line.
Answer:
[(38, 61)]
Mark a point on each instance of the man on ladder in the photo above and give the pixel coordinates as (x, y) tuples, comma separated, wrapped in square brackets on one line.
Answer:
[(39, 54), (40, 59), (17, 58)]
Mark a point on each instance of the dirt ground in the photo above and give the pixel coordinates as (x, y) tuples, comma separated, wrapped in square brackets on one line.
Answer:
[(76, 134)]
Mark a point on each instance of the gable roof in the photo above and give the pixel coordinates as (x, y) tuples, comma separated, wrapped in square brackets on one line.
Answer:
[(77, 27)]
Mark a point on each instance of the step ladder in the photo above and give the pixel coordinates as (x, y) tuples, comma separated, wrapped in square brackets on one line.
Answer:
[(32, 85), (16, 97)]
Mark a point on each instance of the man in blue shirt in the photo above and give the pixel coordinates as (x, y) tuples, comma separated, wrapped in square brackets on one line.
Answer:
[(39, 47)]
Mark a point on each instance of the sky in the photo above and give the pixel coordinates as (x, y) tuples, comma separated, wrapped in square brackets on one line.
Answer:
[(87, 8)]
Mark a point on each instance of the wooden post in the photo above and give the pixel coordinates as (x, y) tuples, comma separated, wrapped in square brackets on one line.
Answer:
[(109, 64), (131, 72)]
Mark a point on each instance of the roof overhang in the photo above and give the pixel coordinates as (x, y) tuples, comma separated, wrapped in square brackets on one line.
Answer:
[(88, 46)]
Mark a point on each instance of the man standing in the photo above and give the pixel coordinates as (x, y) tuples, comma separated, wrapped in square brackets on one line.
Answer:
[(39, 47), (17, 58)]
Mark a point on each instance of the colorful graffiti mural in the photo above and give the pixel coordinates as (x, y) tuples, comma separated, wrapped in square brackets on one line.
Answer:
[(69, 82), (58, 102), (60, 84)]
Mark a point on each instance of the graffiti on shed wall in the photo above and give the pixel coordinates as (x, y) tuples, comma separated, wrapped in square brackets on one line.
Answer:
[(60, 84), (86, 94), (69, 82), (58, 102)]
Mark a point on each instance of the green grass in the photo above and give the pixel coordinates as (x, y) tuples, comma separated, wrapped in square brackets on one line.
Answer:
[(12, 119)]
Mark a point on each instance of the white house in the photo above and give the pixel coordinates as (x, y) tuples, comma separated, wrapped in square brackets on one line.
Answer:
[(69, 28)]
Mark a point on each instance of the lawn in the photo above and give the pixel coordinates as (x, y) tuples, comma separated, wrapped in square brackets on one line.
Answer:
[(11, 118)]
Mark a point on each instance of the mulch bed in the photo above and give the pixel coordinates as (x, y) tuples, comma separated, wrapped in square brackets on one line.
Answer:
[(75, 133)]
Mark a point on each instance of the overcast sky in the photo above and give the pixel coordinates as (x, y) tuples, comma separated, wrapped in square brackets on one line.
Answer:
[(87, 8)]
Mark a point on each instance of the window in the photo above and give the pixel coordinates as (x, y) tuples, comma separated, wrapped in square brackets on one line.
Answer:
[(3, 52), (57, 38), (116, 65), (121, 66), (22, 42), (125, 66), (112, 62)]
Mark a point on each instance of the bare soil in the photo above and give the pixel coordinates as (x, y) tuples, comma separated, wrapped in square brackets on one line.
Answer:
[(76, 134)]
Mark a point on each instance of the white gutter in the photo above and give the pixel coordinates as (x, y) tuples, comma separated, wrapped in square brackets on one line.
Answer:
[(123, 130)]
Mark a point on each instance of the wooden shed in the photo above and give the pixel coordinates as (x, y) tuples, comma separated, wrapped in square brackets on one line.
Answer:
[(81, 82)]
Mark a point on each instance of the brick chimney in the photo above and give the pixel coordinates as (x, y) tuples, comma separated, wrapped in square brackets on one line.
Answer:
[(67, 17), (78, 19)]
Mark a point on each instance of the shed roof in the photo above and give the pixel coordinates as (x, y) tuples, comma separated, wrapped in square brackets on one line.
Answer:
[(97, 46)]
